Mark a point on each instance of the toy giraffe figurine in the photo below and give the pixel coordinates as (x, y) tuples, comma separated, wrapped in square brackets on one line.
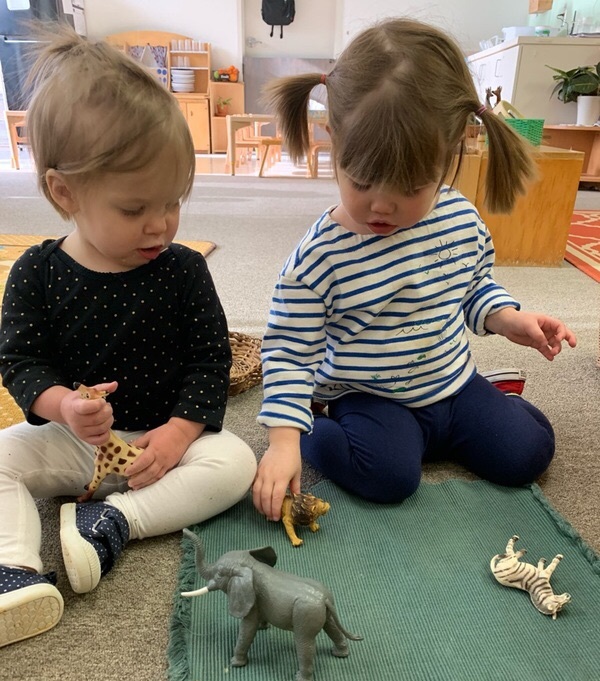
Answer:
[(114, 456)]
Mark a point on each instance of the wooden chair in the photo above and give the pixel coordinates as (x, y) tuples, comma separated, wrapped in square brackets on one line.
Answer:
[(16, 127), (246, 141), (317, 145), (313, 155), (270, 149)]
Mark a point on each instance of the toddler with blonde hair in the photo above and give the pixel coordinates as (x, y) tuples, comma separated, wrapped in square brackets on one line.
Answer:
[(119, 307)]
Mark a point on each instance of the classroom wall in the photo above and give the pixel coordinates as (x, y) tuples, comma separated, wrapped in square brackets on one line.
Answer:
[(215, 22), (313, 33), (320, 30), (469, 21)]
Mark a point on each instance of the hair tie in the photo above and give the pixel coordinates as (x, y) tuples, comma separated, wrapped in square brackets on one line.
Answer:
[(323, 78), (482, 109)]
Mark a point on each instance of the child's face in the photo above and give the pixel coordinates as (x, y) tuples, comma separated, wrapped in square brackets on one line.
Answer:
[(366, 209), (125, 220)]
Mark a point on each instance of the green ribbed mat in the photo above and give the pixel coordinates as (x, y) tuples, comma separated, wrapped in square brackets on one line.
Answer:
[(414, 580)]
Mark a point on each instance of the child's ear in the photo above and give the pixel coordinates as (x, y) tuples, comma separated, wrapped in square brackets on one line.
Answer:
[(61, 191)]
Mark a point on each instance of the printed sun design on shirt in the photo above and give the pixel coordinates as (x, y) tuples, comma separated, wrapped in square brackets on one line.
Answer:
[(446, 253)]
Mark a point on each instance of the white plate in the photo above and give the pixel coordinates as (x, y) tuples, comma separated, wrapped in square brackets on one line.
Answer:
[(182, 88)]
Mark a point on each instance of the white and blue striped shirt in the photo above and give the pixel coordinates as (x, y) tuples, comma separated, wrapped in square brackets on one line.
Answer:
[(386, 315)]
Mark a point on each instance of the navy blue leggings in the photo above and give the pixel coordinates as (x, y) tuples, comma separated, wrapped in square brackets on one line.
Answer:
[(375, 447)]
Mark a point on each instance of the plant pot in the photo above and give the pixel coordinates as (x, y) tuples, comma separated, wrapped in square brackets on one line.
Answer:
[(588, 110), (222, 110)]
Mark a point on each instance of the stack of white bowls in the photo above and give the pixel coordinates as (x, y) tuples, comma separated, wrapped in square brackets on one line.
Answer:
[(182, 80)]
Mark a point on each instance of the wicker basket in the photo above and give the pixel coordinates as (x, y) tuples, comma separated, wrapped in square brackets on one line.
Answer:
[(531, 128), (246, 370)]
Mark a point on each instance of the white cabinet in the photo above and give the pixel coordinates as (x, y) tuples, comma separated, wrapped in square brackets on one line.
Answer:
[(520, 67)]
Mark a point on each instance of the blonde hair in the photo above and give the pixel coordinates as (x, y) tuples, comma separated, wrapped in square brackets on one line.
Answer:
[(400, 97), (93, 110)]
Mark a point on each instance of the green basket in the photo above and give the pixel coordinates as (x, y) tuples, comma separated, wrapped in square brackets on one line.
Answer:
[(531, 128)]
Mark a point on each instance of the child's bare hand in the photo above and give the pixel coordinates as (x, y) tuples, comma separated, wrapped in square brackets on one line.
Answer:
[(163, 449), (545, 334), (278, 469), (90, 420)]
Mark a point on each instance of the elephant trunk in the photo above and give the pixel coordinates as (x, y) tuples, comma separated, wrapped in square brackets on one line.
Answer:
[(205, 570), (200, 564)]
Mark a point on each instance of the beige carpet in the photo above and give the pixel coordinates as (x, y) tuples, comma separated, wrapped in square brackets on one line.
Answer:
[(119, 630)]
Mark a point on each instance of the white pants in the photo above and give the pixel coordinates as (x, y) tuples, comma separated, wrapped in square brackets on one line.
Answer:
[(49, 461)]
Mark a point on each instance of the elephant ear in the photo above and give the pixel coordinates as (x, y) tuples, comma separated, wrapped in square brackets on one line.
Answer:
[(266, 554), (240, 592)]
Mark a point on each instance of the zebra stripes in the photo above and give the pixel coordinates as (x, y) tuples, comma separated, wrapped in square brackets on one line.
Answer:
[(507, 570)]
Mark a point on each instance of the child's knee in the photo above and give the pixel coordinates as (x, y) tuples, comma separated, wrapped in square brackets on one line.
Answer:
[(528, 462), (390, 488)]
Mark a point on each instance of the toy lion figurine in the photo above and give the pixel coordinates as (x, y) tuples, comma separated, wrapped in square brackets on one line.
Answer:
[(301, 509)]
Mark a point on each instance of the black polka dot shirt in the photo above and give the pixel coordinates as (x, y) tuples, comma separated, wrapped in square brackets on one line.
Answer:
[(159, 330)]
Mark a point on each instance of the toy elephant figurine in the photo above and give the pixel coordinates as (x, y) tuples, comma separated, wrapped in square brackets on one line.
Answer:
[(260, 594)]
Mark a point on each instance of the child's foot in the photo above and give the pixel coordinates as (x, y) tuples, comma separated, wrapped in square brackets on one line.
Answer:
[(509, 381), (93, 536), (30, 604)]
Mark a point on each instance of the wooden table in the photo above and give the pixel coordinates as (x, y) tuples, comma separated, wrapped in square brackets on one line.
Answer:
[(15, 125), (536, 231), (237, 122), (585, 138)]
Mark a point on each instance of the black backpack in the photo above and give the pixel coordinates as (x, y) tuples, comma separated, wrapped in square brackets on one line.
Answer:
[(278, 13)]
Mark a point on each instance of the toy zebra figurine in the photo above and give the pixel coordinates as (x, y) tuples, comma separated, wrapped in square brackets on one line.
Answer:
[(114, 456), (507, 569)]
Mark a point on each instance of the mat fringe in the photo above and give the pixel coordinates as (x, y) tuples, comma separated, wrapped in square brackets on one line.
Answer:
[(566, 528), (177, 650)]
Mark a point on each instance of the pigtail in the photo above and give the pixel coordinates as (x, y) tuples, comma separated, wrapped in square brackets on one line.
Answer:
[(511, 166), (288, 98)]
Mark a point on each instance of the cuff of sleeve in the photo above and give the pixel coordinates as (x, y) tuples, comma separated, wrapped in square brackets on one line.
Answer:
[(481, 330), (277, 420)]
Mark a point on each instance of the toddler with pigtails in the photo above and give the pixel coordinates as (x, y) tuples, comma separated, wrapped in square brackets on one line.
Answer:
[(367, 367)]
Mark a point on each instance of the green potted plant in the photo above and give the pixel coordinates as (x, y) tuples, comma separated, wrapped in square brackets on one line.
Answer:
[(581, 85), (222, 106)]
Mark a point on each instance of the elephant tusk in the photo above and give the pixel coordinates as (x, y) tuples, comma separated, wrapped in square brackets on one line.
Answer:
[(198, 592)]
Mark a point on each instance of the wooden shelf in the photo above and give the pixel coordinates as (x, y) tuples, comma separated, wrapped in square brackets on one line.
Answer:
[(224, 90), (585, 138), (199, 107), (199, 59), (536, 231)]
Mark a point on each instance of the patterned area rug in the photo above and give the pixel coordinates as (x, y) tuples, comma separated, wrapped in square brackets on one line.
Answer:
[(414, 580), (583, 244), (11, 247)]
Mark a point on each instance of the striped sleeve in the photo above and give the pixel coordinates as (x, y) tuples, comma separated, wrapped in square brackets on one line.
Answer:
[(484, 296), (293, 349)]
